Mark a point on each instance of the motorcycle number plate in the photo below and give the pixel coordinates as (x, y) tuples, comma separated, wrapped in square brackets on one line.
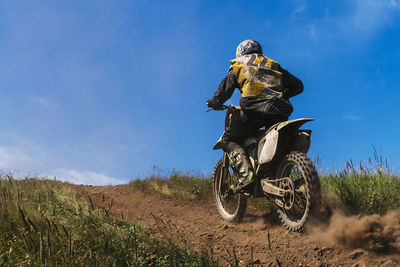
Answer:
[(269, 148)]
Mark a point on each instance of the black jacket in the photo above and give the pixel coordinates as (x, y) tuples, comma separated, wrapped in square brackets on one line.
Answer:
[(260, 106)]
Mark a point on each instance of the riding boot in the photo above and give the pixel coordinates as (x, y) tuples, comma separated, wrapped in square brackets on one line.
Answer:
[(240, 162)]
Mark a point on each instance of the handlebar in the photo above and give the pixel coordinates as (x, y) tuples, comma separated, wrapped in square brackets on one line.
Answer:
[(223, 108)]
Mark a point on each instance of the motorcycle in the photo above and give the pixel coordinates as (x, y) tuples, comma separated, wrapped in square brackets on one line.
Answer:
[(282, 170)]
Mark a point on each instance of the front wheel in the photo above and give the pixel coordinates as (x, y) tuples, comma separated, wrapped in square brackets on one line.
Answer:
[(231, 206), (305, 199)]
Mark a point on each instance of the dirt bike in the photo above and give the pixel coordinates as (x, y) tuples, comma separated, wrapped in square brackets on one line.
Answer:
[(282, 171)]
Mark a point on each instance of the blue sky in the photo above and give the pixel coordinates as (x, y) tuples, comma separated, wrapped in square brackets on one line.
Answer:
[(98, 92)]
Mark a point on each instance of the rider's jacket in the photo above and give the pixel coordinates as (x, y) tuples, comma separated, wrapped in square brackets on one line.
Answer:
[(258, 76), (264, 85)]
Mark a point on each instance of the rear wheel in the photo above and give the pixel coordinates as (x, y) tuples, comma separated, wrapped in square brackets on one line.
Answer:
[(231, 206), (305, 198)]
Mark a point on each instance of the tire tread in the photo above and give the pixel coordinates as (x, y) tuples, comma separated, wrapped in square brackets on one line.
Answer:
[(242, 205), (313, 189)]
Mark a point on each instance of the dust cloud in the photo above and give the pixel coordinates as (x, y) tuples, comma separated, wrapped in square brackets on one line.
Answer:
[(373, 232)]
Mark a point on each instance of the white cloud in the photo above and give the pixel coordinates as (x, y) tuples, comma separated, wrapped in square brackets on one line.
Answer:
[(301, 8), (368, 17), (21, 158), (15, 158), (42, 101), (362, 20), (351, 26), (395, 3), (84, 177), (21, 164), (313, 32), (351, 117)]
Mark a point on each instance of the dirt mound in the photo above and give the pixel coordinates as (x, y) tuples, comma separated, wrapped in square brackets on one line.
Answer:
[(260, 239)]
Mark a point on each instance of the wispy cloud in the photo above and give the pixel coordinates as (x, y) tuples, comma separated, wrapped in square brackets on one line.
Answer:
[(21, 163), (45, 102), (84, 177), (313, 32), (351, 117), (14, 158), (300, 8), (369, 16), (361, 21), (395, 3), (78, 163)]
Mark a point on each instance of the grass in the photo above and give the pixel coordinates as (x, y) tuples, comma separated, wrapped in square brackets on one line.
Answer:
[(366, 190), (188, 186), (363, 193), (45, 222), (177, 185)]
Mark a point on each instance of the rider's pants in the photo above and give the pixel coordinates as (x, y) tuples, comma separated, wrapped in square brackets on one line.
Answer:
[(243, 126)]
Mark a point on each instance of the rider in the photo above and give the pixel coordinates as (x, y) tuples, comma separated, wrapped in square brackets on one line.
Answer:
[(265, 89)]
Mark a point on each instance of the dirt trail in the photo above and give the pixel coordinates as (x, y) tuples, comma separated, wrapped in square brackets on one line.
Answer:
[(202, 229)]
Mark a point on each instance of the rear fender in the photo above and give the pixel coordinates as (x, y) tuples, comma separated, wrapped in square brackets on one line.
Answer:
[(293, 124), (302, 141), (268, 145)]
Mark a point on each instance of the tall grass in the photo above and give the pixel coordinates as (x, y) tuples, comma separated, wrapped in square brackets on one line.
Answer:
[(44, 222), (369, 188), (178, 185), (365, 193)]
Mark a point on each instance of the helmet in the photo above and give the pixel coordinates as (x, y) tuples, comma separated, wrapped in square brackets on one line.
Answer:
[(248, 47)]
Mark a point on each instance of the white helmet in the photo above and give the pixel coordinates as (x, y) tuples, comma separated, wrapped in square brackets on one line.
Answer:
[(248, 47)]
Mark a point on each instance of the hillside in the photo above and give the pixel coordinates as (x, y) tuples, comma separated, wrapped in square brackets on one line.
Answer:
[(260, 239), (173, 221)]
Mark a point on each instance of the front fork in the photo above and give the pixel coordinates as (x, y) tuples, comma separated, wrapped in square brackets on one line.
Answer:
[(223, 172)]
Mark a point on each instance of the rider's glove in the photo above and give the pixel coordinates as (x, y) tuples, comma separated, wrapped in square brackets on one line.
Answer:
[(213, 103)]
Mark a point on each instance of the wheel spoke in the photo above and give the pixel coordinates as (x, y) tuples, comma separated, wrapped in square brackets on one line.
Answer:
[(229, 200), (301, 189), (305, 189), (230, 206), (296, 212), (300, 200)]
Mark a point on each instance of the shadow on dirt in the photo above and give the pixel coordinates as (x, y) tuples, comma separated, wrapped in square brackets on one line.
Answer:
[(270, 218)]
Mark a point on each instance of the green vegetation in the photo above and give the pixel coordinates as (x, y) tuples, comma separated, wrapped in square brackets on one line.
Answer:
[(359, 192), (188, 186), (177, 185), (363, 193), (44, 222)]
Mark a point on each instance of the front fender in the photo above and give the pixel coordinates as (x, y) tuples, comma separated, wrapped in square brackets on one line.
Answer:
[(218, 145)]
